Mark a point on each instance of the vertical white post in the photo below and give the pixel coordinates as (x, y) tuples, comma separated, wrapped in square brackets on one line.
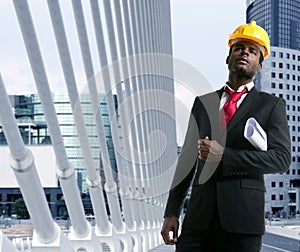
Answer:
[(110, 185), (22, 162), (65, 170), (6, 245)]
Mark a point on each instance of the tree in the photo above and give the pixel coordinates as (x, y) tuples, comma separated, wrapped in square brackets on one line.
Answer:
[(20, 208)]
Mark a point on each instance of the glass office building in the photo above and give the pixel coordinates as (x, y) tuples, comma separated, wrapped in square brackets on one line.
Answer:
[(280, 18), (281, 77), (32, 124)]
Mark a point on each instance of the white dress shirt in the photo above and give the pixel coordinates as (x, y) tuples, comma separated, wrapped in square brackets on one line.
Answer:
[(225, 96)]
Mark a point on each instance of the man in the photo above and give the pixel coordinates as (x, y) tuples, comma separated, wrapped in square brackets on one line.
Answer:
[(226, 207)]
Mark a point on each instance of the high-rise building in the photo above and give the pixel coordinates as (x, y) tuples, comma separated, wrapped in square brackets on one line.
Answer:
[(281, 77), (32, 125), (280, 18)]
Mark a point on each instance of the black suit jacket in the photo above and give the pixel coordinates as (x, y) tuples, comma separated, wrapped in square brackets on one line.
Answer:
[(236, 189)]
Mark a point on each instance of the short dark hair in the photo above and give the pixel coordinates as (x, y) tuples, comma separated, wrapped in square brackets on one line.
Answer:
[(261, 57)]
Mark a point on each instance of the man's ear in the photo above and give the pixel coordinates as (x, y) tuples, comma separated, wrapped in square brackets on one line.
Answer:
[(227, 60), (259, 67)]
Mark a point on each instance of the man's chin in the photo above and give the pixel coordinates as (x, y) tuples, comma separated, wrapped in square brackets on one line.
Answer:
[(242, 71)]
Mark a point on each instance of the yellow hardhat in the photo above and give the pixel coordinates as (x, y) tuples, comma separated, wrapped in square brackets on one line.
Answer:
[(252, 32)]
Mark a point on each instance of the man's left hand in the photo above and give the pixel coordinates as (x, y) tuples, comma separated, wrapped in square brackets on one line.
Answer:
[(210, 150)]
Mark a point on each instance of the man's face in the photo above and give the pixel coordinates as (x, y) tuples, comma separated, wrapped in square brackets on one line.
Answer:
[(244, 59)]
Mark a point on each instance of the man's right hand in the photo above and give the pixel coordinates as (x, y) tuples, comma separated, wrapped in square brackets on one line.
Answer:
[(171, 224)]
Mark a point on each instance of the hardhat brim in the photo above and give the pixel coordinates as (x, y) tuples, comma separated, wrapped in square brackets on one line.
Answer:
[(254, 39)]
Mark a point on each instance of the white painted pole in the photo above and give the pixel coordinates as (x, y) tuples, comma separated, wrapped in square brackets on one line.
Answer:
[(22, 163), (110, 186), (125, 193), (145, 119), (6, 245), (131, 90), (136, 81), (65, 170), (93, 180)]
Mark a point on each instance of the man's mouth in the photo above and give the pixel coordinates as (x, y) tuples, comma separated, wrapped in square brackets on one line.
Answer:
[(243, 60)]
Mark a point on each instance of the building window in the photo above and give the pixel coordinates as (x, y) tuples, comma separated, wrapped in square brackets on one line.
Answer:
[(273, 197), (280, 184), (280, 54), (273, 64), (273, 75), (287, 87), (287, 55), (287, 66), (280, 197), (273, 184), (280, 75), (280, 65), (273, 85), (274, 55), (280, 85)]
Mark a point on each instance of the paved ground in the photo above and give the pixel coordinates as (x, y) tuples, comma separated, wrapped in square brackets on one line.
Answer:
[(276, 227), (18, 230), (164, 248), (271, 243), (265, 248)]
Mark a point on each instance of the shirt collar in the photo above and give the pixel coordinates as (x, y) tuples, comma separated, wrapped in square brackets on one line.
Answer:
[(249, 86)]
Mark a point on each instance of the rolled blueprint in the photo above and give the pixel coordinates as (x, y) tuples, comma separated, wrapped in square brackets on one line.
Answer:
[(255, 134)]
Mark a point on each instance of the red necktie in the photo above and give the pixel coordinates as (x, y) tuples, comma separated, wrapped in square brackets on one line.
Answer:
[(230, 107)]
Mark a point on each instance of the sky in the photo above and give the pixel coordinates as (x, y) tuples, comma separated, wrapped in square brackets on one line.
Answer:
[(200, 29)]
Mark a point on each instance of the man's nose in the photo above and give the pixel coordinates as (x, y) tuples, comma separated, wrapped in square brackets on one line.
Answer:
[(245, 51)]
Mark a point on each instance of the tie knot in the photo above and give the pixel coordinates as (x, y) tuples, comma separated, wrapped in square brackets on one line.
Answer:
[(235, 95)]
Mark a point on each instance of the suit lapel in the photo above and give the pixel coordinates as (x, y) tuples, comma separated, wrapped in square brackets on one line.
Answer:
[(248, 103), (214, 111)]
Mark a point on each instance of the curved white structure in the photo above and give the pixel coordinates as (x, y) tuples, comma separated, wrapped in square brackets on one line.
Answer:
[(133, 40)]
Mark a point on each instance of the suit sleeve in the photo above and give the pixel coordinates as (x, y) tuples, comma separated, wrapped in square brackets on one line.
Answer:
[(185, 167), (275, 160)]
